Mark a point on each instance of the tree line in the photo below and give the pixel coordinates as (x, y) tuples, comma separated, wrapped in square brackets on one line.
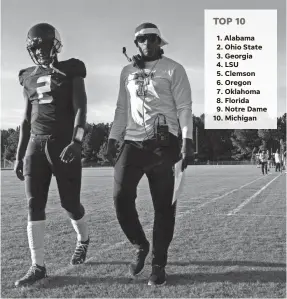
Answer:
[(212, 145)]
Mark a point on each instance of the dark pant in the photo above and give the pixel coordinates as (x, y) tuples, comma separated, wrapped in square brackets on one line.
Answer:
[(135, 160), (277, 166), (40, 162), (264, 167)]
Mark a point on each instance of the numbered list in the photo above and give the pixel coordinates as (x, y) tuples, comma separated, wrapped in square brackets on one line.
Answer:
[(240, 72)]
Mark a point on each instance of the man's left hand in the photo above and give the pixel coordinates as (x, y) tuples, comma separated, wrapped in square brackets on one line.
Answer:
[(70, 152), (187, 152)]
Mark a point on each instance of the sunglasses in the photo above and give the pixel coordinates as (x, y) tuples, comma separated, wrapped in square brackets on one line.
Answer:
[(150, 37)]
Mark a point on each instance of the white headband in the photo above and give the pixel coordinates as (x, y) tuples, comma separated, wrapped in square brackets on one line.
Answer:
[(152, 31)]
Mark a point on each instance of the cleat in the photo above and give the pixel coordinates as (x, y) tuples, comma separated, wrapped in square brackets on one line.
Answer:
[(35, 273), (136, 268), (157, 277), (80, 253)]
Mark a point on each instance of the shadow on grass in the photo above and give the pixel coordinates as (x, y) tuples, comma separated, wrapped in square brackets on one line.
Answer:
[(107, 263), (200, 263), (233, 277), (173, 279), (65, 280), (229, 263)]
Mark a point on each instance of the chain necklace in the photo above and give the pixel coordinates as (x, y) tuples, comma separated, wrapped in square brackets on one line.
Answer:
[(146, 83)]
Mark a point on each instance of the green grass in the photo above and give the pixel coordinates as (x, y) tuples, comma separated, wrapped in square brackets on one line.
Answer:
[(212, 254)]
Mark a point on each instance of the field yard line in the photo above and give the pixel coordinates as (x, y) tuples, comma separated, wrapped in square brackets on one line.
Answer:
[(246, 201), (225, 194), (204, 204)]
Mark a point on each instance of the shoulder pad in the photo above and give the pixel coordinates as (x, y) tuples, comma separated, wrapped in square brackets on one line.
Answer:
[(76, 68), (21, 76), (24, 73)]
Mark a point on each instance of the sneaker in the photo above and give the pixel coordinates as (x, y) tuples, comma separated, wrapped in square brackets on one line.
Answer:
[(158, 276), (136, 268), (80, 253), (34, 274)]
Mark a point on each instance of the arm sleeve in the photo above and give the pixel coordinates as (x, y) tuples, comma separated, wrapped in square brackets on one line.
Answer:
[(121, 113), (181, 91)]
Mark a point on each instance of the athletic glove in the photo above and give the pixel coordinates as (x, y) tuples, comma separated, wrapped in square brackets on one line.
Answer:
[(18, 168)]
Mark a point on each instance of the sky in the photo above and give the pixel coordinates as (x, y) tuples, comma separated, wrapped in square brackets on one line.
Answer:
[(95, 31)]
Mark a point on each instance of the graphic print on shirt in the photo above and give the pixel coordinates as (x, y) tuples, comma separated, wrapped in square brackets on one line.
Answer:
[(144, 97), (144, 83)]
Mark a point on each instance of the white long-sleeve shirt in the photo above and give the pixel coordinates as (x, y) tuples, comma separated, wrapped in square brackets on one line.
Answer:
[(161, 88)]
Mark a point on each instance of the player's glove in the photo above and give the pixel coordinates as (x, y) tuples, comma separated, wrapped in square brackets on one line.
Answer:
[(71, 152), (18, 168), (187, 152)]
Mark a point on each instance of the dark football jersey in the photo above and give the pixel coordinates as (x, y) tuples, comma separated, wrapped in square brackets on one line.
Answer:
[(50, 94)]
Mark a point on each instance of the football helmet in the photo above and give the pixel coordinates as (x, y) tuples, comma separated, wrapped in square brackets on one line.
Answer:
[(43, 44)]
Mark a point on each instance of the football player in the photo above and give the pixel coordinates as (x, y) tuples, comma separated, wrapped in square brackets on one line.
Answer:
[(50, 141)]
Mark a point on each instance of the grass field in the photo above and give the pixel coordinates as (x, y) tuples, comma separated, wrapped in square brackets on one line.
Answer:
[(230, 239)]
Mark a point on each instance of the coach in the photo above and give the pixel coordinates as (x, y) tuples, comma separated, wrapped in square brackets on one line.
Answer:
[(154, 98)]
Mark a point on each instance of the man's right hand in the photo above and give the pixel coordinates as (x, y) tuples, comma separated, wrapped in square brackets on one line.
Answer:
[(18, 168), (111, 151)]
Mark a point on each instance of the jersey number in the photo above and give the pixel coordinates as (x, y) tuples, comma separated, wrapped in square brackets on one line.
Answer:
[(42, 90)]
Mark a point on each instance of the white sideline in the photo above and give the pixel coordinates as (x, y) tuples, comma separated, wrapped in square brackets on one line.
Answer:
[(181, 213), (246, 201), (225, 194)]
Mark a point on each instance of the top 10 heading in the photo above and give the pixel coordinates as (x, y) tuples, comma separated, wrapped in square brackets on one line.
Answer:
[(227, 21)]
